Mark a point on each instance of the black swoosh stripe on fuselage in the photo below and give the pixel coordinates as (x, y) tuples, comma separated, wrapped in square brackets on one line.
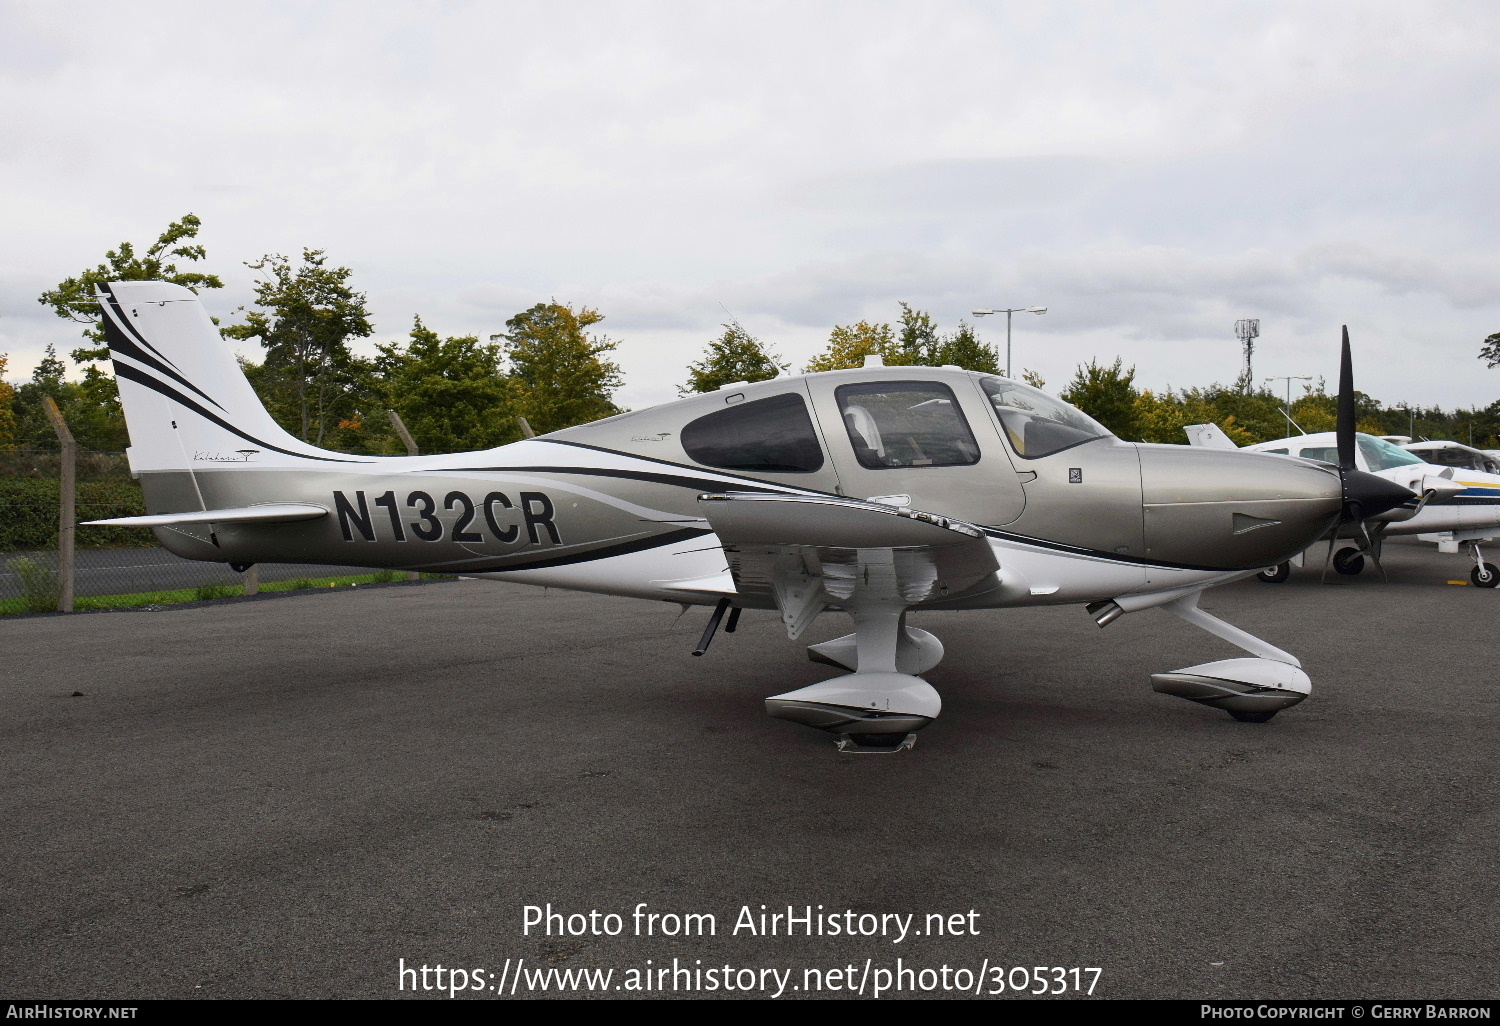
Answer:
[(696, 484), (129, 373), (654, 541)]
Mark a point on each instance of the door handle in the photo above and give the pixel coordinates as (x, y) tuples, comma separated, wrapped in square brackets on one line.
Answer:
[(1026, 476)]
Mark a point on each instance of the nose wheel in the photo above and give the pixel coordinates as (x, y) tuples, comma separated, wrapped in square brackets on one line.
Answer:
[(1275, 574), (1349, 561), (1484, 575)]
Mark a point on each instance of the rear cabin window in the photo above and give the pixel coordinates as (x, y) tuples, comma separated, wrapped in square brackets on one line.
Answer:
[(767, 436), (906, 424)]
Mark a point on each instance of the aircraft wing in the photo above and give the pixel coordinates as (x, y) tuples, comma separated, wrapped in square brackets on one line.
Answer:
[(808, 552), (262, 513)]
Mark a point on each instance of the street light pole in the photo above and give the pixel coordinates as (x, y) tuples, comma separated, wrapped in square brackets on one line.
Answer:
[(1007, 313)]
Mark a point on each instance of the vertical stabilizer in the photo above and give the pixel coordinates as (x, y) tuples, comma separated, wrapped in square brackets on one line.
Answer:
[(187, 404), (1209, 436)]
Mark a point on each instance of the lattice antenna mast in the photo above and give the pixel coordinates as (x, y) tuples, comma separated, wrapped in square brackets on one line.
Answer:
[(1247, 330)]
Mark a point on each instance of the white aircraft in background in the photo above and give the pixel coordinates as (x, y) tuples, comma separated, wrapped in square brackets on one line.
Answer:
[(1454, 454), (1457, 505)]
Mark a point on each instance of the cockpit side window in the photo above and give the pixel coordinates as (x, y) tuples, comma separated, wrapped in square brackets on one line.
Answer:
[(767, 436), (906, 424), (1037, 424)]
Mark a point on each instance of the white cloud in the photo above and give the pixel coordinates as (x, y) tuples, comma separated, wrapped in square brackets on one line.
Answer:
[(1149, 171)]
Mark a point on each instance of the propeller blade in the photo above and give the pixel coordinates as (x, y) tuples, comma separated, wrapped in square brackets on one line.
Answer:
[(1365, 495), (1345, 432)]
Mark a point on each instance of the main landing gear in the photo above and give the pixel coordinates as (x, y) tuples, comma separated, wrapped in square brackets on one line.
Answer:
[(1251, 690)]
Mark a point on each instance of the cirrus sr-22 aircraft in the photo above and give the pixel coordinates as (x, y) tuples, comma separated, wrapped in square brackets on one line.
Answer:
[(872, 492)]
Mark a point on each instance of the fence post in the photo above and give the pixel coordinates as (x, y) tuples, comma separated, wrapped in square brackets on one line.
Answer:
[(252, 580), (67, 512), (403, 434), (411, 450), (526, 427)]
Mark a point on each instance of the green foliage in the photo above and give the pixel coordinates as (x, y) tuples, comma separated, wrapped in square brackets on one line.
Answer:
[(40, 587), (91, 407), (74, 297), (29, 509), (735, 355), (917, 343), (1489, 352), (558, 376), (452, 393), (208, 592), (848, 345), (963, 349), (310, 381), (1108, 395), (1033, 378), (7, 408)]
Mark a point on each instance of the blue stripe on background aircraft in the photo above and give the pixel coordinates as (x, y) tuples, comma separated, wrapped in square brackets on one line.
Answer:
[(872, 492)]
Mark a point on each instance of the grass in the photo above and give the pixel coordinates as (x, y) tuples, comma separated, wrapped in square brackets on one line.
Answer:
[(203, 593)]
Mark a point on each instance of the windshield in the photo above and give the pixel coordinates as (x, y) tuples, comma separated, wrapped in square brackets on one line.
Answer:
[(1382, 455), (1035, 422)]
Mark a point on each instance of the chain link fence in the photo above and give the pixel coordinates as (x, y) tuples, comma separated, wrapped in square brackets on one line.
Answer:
[(113, 566)]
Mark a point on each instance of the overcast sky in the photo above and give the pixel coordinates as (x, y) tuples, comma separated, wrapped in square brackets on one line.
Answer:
[(1150, 172)]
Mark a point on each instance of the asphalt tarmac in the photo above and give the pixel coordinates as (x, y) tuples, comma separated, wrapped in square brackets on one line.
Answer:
[(286, 796)]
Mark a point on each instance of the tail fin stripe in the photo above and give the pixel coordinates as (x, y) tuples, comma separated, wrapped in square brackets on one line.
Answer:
[(123, 343), (128, 328), (129, 373)]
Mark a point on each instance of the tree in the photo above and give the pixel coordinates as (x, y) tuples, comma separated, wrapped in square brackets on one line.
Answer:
[(95, 424), (558, 377), (74, 297), (1489, 352), (963, 349), (310, 380), (452, 393), (917, 341), (849, 345), (7, 408), (1108, 395), (735, 355)]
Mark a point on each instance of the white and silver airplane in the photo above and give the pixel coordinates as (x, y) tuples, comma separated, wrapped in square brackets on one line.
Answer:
[(1457, 505), (872, 492)]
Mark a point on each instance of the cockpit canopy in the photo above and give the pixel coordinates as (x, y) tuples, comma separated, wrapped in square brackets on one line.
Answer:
[(1036, 423)]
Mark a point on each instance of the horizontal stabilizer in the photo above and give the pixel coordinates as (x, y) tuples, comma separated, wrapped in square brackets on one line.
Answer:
[(264, 513)]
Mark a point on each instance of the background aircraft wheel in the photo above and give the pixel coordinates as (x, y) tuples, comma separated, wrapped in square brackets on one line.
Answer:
[(1348, 562), (1486, 576), (1253, 717), (1276, 574)]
